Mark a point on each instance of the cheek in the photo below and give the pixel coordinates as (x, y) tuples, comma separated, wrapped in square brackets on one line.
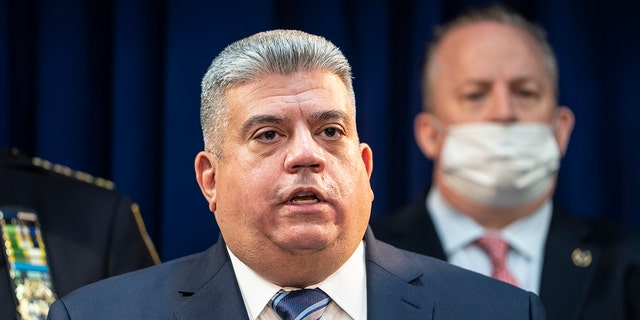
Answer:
[(352, 182), (357, 203), (439, 143), (244, 183), (244, 188), (238, 208)]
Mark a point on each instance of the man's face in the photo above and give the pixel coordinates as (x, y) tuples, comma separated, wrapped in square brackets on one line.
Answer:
[(293, 176), (491, 72), (488, 72)]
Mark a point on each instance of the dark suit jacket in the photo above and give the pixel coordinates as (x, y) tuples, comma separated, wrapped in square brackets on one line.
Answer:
[(608, 288), (400, 285), (90, 232)]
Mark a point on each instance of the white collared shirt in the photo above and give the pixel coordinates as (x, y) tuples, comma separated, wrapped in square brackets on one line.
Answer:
[(347, 288), (526, 238)]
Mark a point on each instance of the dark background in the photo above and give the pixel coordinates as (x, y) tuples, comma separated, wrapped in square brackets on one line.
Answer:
[(112, 88)]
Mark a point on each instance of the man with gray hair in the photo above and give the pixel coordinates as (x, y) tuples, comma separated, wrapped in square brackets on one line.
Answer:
[(287, 178)]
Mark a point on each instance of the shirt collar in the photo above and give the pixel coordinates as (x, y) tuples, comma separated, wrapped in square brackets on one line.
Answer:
[(346, 287), (527, 235), (256, 291), (456, 230)]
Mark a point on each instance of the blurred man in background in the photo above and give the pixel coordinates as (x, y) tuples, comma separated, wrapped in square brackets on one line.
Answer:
[(492, 127)]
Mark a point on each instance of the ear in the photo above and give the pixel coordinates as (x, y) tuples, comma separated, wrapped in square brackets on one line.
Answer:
[(367, 157), (206, 166), (563, 127), (428, 134)]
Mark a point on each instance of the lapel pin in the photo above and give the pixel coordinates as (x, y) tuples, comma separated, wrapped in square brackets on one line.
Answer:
[(581, 258)]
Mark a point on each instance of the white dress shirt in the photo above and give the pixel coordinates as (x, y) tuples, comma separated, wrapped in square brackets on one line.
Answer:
[(347, 288), (526, 238)]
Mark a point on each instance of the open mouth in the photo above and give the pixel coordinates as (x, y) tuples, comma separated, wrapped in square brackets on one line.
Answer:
[(304, 198)]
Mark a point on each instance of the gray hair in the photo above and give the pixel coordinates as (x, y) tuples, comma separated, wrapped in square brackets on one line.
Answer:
[(265, 53), (492, 13)]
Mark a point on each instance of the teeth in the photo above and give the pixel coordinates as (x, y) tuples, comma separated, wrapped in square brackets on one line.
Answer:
[(304, 201), (304, 198)]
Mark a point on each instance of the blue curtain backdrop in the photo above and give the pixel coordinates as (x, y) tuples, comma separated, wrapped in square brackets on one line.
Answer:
[(112, 88)]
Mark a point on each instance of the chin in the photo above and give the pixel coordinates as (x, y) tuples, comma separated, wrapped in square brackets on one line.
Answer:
[(308, 239)]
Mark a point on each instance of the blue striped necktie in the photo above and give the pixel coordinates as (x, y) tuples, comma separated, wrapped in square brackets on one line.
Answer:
[(302, 304)]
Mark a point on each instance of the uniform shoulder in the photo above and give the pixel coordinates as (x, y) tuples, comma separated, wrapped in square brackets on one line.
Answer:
[(14, 159)]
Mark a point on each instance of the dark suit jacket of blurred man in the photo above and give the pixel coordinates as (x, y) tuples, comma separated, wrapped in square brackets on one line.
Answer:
[(91, 232), (574, 284)]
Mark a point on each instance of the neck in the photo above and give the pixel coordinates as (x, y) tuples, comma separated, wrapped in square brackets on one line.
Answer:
[(298, 269)]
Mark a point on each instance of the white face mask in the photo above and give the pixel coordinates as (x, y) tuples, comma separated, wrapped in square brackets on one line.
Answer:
[(500, 165)]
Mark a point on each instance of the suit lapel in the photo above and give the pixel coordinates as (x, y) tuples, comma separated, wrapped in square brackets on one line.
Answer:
[(565, 236), (390, 284), (209, 289), (433, 245), (562, 270)]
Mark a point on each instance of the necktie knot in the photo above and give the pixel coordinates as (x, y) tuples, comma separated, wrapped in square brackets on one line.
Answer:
[(496, 248), (300, 304)]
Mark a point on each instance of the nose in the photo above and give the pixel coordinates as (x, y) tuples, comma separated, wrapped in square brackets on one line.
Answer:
[(502, 106), (304, 152)]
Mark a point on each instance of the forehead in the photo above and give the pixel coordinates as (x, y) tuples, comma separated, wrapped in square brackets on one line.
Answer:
[(302, 91), (467, 49)]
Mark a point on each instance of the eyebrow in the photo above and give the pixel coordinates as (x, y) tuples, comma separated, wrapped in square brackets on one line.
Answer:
[(327, 115), (260, 119), (524, 78)]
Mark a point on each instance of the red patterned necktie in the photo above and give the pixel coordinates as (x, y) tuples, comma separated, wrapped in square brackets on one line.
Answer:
[(305, 304), (497, 249)]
